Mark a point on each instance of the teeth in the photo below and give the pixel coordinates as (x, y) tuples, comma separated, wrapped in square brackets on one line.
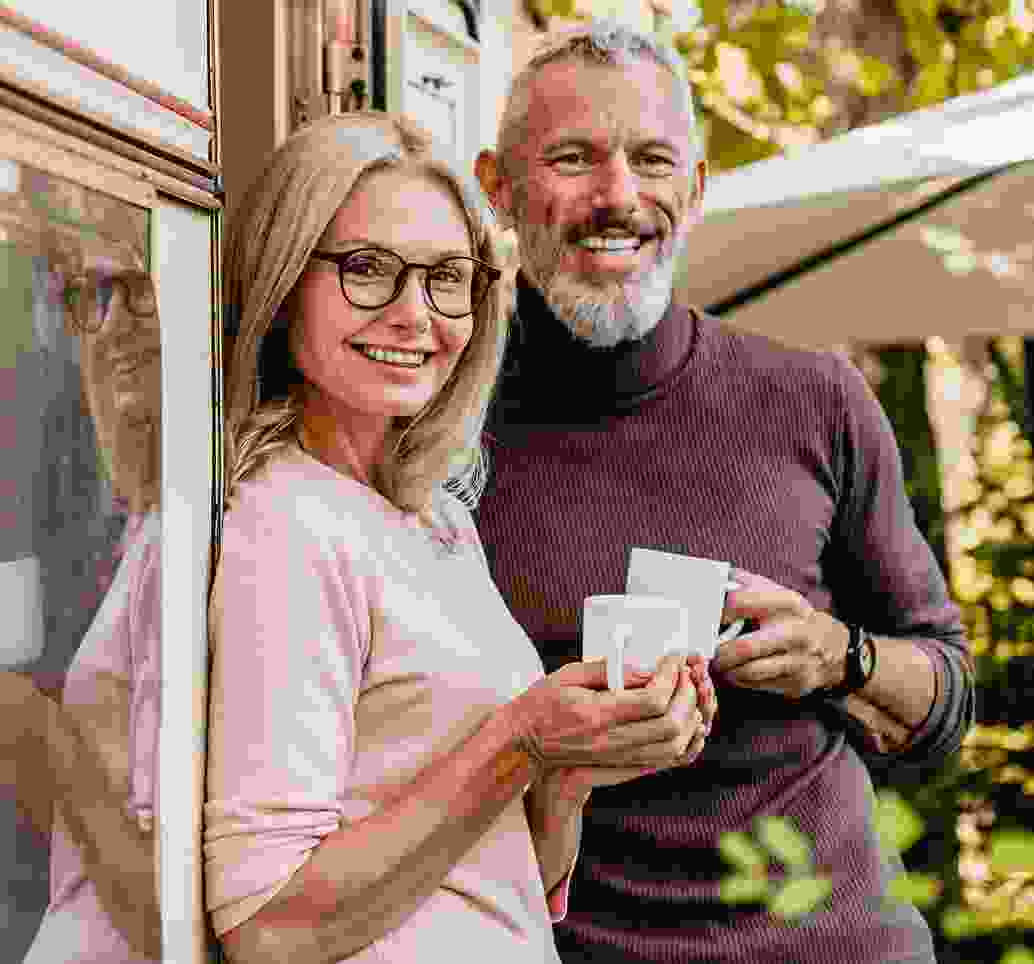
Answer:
[(393, 356), (609, 244)]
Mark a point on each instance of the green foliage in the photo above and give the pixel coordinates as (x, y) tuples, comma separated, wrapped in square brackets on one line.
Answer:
[(739, 59), (1012, 851), (743, 889), (898, 824), (923, 890), (784, 842), (1018, 955), (800, 896), (795, 892), (739, 850)]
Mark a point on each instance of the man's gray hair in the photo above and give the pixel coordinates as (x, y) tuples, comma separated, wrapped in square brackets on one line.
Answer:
[(601, 42)]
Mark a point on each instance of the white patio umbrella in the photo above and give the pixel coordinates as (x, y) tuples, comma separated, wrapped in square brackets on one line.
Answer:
[(917, 226)]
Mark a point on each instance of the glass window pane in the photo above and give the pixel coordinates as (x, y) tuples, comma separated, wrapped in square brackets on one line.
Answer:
[(80, 364)]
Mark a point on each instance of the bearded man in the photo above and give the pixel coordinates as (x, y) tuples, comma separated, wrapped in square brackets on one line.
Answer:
[(623, 419)]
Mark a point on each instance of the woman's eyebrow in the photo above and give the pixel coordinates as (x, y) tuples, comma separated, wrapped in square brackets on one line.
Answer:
[(431, 256)]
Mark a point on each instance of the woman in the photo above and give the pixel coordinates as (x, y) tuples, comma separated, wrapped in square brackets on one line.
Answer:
[(390, 775), (91, 762)]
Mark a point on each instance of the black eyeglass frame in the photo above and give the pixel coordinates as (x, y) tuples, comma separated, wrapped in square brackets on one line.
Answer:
[(131, 283), (340, 257)]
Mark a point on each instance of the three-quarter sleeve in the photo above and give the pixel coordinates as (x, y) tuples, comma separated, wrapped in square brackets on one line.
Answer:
[(289, 631), (887, 578)]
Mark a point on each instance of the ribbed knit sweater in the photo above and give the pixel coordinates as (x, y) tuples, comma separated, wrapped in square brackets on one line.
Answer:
[(710, 442)]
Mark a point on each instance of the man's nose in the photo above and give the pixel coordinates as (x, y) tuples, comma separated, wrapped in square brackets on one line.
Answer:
[(617, 185)]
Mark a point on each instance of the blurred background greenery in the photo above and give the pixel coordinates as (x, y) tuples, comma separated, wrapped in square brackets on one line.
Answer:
[(770, 77)]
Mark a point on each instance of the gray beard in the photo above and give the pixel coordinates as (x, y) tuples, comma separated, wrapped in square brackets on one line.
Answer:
[(627, 312)]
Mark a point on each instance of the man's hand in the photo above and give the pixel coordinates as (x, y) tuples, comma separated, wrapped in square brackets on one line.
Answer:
[(796, 648)]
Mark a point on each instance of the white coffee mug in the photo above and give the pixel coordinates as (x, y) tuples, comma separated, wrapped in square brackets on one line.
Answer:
[(699, 584), (632, 630)]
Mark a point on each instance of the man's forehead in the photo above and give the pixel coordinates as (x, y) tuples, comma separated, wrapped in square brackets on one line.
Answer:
[(631, 100)]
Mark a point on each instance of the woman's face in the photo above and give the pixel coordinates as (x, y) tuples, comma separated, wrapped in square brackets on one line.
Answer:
[(333, 342)]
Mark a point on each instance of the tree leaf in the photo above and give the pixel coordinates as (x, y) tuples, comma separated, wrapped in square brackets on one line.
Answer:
[(874, 76), (963, 262), (743, 889), (800, 895), (917, 9), (944, 240), (714, 12), (897, 823), (1017, 955), (932, 85), (1012, 851), (737, 848), (561, 8), (919, 889), (926, 42), (959, 922), (784, 842)]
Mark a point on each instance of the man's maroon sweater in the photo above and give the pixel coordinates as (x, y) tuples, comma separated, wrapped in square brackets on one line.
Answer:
[(705, 441)]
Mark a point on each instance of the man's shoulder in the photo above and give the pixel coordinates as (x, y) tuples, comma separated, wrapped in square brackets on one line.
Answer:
[(754, 353)]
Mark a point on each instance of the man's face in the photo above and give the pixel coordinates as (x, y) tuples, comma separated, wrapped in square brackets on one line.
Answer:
[(602, 195)]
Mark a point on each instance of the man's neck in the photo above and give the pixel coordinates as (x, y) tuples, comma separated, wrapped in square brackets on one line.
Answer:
[(597, 378)]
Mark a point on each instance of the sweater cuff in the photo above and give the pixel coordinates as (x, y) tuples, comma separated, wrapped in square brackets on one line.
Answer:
[(557, 898)]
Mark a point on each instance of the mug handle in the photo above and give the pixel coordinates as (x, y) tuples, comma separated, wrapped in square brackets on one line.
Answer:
[(734, 629), (616, 660)]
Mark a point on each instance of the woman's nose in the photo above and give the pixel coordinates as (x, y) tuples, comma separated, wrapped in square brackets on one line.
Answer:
[(410, 309)]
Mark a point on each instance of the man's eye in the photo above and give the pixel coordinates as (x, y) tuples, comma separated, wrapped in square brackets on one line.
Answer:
[(656, 161), (569, 160)]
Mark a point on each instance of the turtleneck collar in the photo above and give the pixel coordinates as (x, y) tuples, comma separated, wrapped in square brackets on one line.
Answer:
[(551, 364)]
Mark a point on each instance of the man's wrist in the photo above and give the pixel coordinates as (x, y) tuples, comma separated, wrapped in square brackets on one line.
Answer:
[(855, 668)]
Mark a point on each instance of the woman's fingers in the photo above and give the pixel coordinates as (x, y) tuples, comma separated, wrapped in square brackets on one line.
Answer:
[(658, 741)]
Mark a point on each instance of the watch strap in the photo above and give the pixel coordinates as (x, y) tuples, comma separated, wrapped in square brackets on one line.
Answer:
[(856, 672)]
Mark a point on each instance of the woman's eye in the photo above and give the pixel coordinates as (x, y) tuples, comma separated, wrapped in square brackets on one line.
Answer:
[(363, 268), (447, 275)]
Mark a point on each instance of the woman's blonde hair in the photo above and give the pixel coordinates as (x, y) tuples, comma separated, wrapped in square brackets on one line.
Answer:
[(278, 224)]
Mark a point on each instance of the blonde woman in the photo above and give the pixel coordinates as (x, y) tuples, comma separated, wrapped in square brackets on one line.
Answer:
[(391, 778)]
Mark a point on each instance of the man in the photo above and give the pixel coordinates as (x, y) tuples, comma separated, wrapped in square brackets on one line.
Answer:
[(623, 420)]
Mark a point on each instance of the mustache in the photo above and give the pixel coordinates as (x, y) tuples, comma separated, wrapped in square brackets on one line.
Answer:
[(607, 219)]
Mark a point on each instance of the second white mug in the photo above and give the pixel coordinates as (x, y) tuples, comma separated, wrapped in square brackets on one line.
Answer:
[(699, 584)]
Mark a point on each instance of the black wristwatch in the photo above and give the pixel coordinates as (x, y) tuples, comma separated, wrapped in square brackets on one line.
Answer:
[(860, 664)]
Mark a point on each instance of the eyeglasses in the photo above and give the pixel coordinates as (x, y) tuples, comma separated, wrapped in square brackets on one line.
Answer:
[(374, 277), (88, 297)]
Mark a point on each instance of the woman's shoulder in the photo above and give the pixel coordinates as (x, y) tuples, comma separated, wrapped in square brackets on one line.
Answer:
[(294, 496)]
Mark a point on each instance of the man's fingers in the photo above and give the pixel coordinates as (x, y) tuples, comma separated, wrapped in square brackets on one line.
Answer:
[(767, 641), (760, 599), (762, 670), (886, 733)]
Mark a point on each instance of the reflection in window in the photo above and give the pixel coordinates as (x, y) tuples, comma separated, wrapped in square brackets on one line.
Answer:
[(79, 572)]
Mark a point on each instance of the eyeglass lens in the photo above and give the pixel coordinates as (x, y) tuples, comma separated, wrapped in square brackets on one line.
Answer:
[(90, 298), (455, 286)]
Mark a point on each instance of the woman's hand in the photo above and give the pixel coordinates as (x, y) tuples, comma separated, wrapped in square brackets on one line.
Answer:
[(570, 719)]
